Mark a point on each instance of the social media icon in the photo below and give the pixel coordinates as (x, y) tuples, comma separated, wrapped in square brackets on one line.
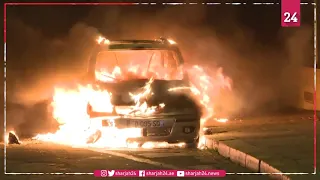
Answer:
[(103, 173), (142, 173), (180, 173), (111, 173)]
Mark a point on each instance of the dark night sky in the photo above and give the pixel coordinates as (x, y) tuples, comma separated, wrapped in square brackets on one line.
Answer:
[(247, 41), (57, 20)]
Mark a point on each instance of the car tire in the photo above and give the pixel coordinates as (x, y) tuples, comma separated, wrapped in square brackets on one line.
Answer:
[(193, 144)]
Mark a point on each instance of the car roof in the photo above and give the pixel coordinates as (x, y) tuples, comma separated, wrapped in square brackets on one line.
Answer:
[(140, 41), (138, 44)]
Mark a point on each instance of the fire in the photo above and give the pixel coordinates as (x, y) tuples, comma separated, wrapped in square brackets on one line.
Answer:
[(105, 76), (70, 110), (70, 106), (171, 41), (205, 89), (101, 40)]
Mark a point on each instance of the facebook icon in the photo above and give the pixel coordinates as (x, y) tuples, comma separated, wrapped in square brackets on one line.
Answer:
[(142, 173)]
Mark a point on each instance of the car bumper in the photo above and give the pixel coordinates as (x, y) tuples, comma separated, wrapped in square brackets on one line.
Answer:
[(175, 135), (172, 129)]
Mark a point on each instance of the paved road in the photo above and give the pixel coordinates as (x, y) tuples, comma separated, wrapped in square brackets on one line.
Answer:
[(45, 157), (283, 141)]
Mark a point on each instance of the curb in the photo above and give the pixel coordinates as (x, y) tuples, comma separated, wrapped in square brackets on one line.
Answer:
[(244, 159)]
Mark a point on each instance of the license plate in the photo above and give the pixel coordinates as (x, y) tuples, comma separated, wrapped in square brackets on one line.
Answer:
[(149, 123)]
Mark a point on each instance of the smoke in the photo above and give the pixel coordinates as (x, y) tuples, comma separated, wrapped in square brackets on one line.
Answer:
[(261, 74), (35, 65)]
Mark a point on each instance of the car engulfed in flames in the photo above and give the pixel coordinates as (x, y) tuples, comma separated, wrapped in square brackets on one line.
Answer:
[(136, 94)]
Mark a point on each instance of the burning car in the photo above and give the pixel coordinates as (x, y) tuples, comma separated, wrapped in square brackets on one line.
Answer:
[(136, 93), (140, 76)]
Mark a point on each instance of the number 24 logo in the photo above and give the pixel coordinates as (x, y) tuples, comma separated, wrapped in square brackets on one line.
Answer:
[(289, 17)]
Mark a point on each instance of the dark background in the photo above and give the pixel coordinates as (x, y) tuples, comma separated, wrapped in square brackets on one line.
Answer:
[(47, 45)]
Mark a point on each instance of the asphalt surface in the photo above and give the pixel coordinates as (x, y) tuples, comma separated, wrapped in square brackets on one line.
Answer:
[(285, 141), (34, 156)]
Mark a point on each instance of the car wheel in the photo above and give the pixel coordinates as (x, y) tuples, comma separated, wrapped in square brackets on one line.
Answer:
[(193, 144)]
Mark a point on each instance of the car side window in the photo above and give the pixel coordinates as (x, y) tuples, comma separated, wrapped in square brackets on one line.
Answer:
[(106, 61), (170, 60), (156, 61)]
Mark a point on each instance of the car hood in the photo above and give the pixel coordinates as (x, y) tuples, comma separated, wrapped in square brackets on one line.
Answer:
[(121, 90)]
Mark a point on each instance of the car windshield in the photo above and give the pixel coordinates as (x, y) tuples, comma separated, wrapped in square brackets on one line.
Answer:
[(137, 64)]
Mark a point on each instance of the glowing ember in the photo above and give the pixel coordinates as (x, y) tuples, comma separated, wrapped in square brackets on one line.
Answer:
[(101, 40), (202, 142), (171, 41), (222, 120)]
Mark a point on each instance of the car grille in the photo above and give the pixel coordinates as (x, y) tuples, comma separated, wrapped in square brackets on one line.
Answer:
[(163, 131)]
